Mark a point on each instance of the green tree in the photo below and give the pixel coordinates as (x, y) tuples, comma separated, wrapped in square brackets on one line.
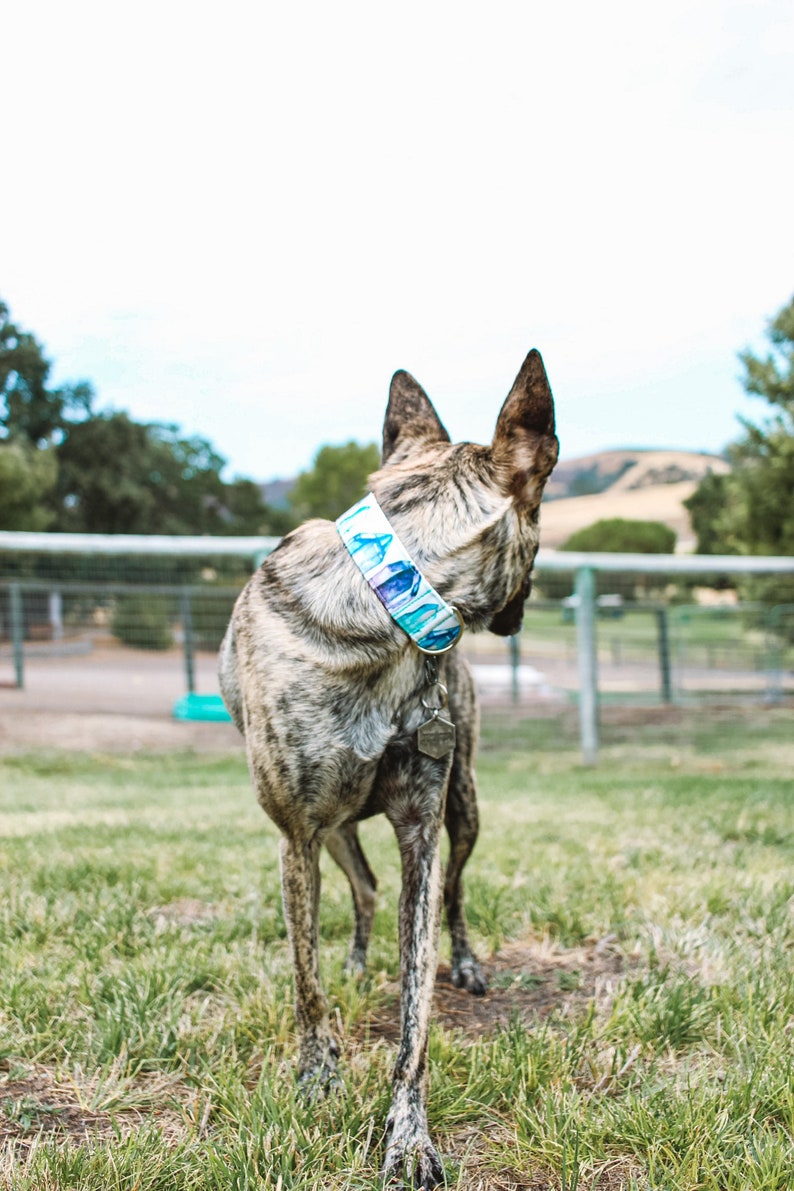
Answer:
[(618, 535), (751, 511), (30, 410), (247, 513), (116, 475), (336, 480), (65, 467), (621, 536), (705, 506), (27, 477)]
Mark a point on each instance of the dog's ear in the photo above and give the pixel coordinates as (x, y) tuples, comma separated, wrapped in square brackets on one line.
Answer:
[(525, 445), (410, 417)]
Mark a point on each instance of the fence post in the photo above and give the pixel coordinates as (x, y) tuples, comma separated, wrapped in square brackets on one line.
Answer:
[(663, 639), (515, 657), (17, 632), (774, 658), (588, 664), (56, 615), (188, 644)]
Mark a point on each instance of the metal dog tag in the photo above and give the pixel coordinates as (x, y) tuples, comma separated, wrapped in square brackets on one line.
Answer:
[(436, 737)]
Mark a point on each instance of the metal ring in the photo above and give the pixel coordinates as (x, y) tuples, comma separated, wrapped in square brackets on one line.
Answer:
[(433, 652), (443, 696)]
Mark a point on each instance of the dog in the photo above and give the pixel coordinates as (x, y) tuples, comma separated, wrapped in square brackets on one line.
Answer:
[(331, 695)]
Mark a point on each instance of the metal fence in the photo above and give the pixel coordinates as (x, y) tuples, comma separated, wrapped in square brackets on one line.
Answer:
[(133, 625)]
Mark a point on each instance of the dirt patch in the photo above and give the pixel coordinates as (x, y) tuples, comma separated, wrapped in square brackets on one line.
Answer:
[(25, 730), (526, 981), (616, 1174), (36, 1103)]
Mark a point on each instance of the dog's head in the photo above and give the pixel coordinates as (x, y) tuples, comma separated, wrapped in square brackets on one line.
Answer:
[(469, 514)]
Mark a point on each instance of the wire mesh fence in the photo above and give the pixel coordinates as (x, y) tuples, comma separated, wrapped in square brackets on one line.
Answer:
[(133, 633)]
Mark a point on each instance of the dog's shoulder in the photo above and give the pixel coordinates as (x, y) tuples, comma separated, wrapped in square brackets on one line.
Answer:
[(309, 597)]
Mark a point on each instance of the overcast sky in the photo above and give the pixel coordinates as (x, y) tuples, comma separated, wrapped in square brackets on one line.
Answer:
[(243, 218)]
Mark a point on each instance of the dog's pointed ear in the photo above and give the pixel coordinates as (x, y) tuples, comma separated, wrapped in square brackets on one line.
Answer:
[(525, 445), (410, 418)]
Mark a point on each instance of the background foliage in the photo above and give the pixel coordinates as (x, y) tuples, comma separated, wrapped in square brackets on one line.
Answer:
[(751, 510), (68, 467), (618, 535)]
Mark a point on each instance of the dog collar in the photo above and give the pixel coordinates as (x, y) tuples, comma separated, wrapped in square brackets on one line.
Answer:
[(431, 623)]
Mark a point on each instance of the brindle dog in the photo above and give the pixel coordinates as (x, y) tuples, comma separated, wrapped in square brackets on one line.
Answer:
[(328, 690)]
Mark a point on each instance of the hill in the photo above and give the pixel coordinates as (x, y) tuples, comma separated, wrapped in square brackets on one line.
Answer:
[(644, 485), (637, 483)]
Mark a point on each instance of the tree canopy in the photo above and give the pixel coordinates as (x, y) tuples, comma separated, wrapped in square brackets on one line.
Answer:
[(751, 510), (27, 478), (336, 480), (116, 475), (65, 466), (29, 409)]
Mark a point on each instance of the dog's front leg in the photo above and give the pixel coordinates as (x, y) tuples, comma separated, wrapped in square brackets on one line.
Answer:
[(410, 1155), (300, 885)]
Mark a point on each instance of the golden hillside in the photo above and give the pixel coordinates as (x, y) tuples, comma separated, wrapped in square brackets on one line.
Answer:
[(635, 485)]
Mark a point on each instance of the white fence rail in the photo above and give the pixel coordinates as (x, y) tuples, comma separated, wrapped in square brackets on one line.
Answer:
[(585, 567)]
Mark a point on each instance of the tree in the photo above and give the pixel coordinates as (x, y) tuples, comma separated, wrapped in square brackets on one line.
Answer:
[(620, 536), (246, 512), (65, 467), (29, 410), (337, 479), (751, 510), (27, 477), (705, 506), (120, 476)]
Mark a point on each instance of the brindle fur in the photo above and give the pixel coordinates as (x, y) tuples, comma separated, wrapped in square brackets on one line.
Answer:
[(327, 691)]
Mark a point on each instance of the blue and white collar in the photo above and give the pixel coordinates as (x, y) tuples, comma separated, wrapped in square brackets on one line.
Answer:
[(431, 623)]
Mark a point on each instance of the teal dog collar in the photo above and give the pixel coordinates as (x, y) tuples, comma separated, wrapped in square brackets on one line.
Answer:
[(431, 623)]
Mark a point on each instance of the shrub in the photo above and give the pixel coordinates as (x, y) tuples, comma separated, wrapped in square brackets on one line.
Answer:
[(211, 612), (621, 536), (142, 621)]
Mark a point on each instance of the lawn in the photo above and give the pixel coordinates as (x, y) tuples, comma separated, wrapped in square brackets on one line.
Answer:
[(636, 919)]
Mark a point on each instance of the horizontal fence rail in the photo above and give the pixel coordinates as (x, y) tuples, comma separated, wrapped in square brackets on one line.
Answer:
[(250, 547), (180, 591), (665, 564), (119, 543)]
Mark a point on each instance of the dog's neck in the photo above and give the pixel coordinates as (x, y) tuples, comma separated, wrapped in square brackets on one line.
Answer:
[(431, 623)]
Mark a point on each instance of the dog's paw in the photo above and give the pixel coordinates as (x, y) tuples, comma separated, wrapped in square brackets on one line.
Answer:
[(412, 1162), (356, 964), (468, 974), (317, 1072)]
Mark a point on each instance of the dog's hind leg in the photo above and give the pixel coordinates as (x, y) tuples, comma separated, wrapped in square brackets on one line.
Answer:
[(300, 884), (462, 823), (344, 846)]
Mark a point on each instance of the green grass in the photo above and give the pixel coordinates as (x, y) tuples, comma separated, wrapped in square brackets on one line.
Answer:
[(146, 1028)]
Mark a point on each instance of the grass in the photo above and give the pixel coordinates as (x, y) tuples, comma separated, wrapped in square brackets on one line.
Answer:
[(638, 920)]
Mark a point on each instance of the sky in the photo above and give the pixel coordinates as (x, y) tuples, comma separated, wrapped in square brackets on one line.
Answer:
[(243, 218)]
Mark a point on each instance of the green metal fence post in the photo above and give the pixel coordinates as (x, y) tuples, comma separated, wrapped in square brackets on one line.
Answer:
[(515, 657), (588, 664), (17, 632), (774, 658), (663, 639), (188, 642)]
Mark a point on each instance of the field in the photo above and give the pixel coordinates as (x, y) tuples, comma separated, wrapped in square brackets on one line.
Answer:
[(637, 925)]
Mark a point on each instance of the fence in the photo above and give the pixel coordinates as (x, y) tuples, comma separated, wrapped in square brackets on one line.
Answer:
[(133, 624)]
